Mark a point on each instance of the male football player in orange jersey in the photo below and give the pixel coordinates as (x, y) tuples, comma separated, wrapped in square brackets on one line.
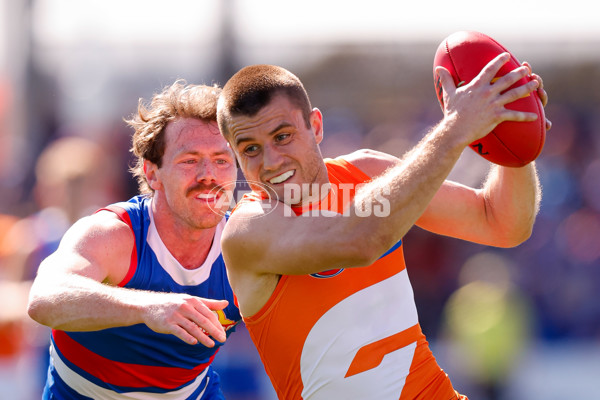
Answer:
[(327, 299)]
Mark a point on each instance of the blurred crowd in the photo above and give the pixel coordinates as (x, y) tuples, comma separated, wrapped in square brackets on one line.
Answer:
[(489, 303)]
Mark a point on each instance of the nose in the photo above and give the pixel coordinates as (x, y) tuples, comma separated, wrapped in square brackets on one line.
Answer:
[(206, 171), (272, 158)]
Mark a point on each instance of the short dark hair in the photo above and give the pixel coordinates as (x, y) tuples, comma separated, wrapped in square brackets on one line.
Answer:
[(253, 87)]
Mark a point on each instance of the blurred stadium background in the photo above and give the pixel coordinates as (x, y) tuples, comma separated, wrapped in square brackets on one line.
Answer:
[(519, 324)]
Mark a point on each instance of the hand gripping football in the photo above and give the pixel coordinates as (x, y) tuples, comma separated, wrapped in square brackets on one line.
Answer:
[(511, 143)]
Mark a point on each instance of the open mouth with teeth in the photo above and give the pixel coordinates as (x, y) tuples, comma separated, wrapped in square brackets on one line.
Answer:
[(207, 196), (282, 178), (210, 197)]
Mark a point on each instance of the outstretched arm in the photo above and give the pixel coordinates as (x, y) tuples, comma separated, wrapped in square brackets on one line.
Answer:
[(75, 288), (288, 245)]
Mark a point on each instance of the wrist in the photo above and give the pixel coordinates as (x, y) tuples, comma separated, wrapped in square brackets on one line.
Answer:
[(451, 135)]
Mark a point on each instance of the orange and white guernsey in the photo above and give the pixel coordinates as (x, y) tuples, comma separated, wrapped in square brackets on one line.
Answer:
[(347, 334)]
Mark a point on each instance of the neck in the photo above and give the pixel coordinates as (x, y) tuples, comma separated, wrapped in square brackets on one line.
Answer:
[(319, 189), (189, 245)]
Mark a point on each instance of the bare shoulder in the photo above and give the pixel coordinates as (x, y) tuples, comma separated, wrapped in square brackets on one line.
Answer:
[(240, 242), (371, 162), (99, 246), (102, 227)]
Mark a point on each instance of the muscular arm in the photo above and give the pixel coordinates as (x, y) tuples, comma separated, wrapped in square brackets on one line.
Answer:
[(272, 243), (261, 244), (500, 214), (75, 290)]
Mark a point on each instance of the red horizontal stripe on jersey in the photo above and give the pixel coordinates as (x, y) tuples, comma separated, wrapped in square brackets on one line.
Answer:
[(124, 374)]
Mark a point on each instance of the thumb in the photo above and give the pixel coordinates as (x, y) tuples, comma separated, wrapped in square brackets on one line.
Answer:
[(446, 79), (444, 85)]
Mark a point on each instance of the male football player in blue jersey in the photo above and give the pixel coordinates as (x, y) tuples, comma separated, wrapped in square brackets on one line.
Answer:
[(137, 293)]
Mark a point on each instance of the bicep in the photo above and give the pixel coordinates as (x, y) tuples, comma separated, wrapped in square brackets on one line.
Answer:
[(97, 247)]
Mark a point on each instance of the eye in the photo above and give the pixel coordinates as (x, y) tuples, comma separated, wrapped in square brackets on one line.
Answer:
[(189, 161), (221, 161), (282, 137), (251, 150)]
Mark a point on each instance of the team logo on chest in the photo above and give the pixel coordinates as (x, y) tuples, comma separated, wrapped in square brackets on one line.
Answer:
[(328, 274), (225, 322)]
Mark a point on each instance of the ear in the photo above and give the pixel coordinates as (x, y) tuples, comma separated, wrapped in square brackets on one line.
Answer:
[(316, 122), (151, 171)]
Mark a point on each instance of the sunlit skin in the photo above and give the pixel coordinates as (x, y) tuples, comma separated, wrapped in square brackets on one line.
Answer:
[(198, 167), (276, 148), (83, 275)]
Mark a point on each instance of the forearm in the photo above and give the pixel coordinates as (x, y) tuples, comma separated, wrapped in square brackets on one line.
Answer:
[(410, 186), (512, 198), (471, 112), (83, 304)]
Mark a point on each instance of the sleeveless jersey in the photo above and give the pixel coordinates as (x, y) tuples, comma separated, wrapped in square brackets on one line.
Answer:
[(349, 333), (134, 362)]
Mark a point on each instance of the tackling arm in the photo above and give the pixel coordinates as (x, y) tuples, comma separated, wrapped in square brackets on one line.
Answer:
[(75, 290)]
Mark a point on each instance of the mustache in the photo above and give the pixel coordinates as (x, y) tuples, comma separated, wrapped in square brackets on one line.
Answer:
[(202, 187)]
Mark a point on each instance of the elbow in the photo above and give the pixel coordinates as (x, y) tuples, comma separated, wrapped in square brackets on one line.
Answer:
[(521, 238), (516, 237), (524, 235), (509, 243), (362, 259), (351, 255), (34, 310), (38, 312), (510, 229)]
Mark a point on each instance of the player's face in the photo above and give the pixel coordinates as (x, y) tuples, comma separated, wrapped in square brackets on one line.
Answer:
[(276, 148), (198, 168)]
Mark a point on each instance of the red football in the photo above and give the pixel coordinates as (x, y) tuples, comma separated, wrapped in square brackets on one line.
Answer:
[(511, 144)]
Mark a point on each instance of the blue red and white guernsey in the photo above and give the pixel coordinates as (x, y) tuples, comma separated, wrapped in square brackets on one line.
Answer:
[(135, 362)]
